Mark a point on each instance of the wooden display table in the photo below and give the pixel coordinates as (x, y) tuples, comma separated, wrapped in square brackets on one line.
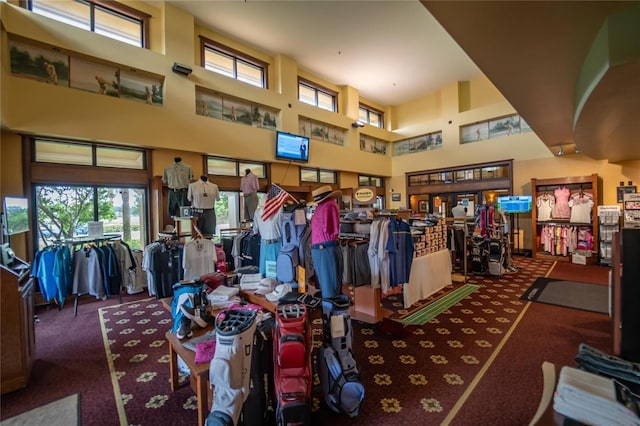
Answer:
[(199, 379)]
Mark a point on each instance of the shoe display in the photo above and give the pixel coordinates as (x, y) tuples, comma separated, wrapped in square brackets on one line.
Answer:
[(184, 330)]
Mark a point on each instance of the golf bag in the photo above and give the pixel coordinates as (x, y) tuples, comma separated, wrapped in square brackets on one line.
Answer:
[(339, 376), (292, 365), (496, 257), (230, 368), (258, 409), (478, 255), (290, 255), (189, 294)]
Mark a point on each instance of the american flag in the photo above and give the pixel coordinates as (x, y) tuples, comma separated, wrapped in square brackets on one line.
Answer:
[(276, 197)]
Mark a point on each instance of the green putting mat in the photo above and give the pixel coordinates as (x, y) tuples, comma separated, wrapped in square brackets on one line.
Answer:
[(439, 305)]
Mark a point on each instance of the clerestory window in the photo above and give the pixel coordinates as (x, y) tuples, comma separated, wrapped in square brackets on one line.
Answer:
[(108, 18)]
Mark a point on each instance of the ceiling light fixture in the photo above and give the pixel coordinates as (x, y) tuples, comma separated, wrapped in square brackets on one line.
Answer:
[(357, 124), (577, 150), (560, 151)]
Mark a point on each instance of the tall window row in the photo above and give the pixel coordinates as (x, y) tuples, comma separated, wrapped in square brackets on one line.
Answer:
[(107, 18), (233, 64)]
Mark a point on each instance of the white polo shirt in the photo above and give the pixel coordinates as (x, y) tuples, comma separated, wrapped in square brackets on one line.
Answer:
[(203, 195)]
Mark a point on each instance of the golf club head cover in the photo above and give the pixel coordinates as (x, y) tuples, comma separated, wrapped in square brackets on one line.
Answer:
[(230, 368), (337, 368)]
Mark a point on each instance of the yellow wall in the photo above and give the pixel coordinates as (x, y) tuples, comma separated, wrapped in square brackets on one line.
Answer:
[(31, 107)]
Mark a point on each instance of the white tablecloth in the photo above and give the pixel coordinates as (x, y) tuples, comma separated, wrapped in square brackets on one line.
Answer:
[(429, 274)]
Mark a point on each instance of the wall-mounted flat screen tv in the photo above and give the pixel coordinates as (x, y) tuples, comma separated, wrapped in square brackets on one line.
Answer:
[(16, 215), (292, 147), (515, 203)]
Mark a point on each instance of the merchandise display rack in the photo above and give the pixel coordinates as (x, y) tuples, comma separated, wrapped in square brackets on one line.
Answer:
[(590, 183)]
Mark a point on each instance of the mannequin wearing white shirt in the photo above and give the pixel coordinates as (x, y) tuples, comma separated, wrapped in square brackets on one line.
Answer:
[(203, 196)]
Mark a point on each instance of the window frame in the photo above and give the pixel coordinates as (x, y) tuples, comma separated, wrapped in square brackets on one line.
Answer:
[(368, 112), (318, 172), (94, 147), (236, 56), (126, 12), (240, 166), (370, 180), (317, 88)]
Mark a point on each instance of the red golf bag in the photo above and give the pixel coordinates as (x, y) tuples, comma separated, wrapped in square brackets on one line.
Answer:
[(292, 365)]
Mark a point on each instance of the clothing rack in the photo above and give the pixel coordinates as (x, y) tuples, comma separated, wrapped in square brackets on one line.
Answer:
[(87, 241)]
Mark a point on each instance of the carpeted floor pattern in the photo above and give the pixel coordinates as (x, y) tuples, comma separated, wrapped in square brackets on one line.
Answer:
[(420, 375), (138, 356)]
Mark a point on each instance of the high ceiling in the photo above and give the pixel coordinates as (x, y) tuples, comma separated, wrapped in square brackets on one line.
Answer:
[(394, 51), (534, 53)]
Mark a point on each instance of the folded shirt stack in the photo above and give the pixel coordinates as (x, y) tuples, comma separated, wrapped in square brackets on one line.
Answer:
[(594, 400), (222, 294), (250, 282)]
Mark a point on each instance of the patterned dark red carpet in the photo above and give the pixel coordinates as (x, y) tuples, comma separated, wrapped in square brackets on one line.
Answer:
[(476, 363)]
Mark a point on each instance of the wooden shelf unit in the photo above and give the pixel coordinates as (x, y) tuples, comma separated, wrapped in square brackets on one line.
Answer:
[(18, 331), (590, 183)]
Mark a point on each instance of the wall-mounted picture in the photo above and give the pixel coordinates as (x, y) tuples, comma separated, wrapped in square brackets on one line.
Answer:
[(320, 131), (304, 127), (420, 143), (373, 145), (434, 141), (94, 77), (505, 126), (236, 110), (264, 117), (45, 65), (209, 104), (140, 88), (316, 130), (335, 135), (422, 206), (474, 132)]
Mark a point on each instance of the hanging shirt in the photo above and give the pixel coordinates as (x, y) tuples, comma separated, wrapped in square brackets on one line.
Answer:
[(203, 195), (545, 204), (249, 184), (581, 208), (400, 249), (561, 209), (178, 175), (198, 258)]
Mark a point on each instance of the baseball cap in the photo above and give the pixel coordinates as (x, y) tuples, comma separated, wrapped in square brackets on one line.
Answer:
[(266, 286), (279, 291)]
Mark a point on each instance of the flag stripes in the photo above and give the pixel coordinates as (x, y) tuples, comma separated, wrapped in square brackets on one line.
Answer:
[(276, 197)]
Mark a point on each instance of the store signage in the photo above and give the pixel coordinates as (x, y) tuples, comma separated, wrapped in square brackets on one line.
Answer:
[(95, 229), (365, 195)]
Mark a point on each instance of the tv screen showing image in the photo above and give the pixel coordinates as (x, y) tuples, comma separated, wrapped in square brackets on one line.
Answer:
[(292, 147), (515, 203), (16, 215)]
